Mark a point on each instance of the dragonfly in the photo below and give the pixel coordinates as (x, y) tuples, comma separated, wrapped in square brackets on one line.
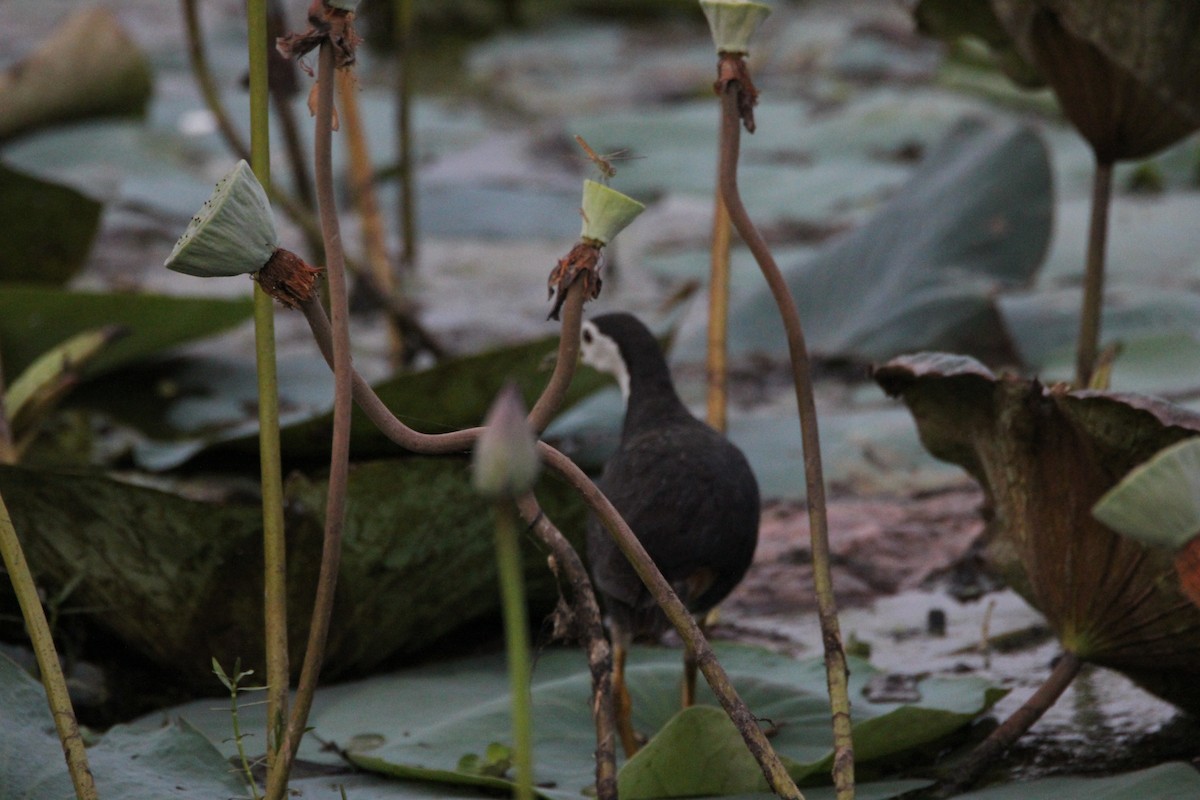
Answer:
[(603, 163)]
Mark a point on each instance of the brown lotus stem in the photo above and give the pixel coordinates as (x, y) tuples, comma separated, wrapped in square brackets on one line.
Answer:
[(551, 400), (1093, 278), (362, 181), (732, 106), (717, 367), (404, 11), (335, 505), (1021, 720)]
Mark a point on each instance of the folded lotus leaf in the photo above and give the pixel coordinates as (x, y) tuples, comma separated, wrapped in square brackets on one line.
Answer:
[(179, 580), (1044, 456)]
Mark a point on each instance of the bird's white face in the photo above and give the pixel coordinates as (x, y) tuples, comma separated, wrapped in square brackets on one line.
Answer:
[(601, 352)]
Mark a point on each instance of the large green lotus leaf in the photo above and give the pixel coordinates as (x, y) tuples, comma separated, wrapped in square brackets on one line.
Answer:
[(1044, 457), (420, 726), (924, 271), (1045, 325), (33, 319), (179, 580), (173, 761), (1166, 365), (1164, 782), (46, 229), (1151, 240)]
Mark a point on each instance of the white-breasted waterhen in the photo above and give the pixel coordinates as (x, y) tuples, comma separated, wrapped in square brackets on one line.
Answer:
[(684, 489)]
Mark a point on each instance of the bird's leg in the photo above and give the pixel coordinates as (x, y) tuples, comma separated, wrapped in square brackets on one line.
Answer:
[(689, 661), (689, 678), (630, 740)]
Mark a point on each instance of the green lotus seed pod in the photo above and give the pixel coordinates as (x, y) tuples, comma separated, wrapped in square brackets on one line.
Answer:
[(505, 462), (233, 233), (733, 22), (606, 212), (1158, 502)]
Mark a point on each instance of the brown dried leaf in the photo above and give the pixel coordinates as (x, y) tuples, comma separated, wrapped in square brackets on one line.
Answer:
[(1044, 456)]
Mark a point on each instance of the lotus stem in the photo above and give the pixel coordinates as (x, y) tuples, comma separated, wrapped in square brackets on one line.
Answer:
[(403, 12), (835, 656), (335, 506), (565, 362), (516, 639), (1093, 279), (47, 658), (374, 242), (717, 368), (271, 471), (1065, 669)]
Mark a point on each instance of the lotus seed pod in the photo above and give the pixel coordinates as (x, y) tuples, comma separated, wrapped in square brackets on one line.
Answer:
[(505, 462), (733, 22), (1158, 502), (606, 212), (233, 233)]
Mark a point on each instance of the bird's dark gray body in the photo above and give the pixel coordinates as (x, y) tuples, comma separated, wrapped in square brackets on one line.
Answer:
[(687, 492)]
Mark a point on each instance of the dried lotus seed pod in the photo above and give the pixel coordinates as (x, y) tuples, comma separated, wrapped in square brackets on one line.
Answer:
[(733, 22), (233, 233), (606, 212)]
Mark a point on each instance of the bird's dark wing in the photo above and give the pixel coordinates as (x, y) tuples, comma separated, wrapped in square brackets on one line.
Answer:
[(692, 500)]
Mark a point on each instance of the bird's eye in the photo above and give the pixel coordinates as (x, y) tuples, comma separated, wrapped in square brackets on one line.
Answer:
[(587, 336)]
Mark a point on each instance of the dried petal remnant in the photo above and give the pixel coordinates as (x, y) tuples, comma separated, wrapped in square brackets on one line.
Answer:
[(582, 263), (288, 278), (325, 23), (733, 75)]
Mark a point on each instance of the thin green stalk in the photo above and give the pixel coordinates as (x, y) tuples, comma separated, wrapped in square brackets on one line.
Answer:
[(271, 471), (1093, 279), (516, 640), (335, 505), (403, 11), (589, 626), (232, 683), (47, 658), (835, 656)]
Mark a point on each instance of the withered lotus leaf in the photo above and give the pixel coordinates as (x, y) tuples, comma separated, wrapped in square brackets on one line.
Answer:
[(1123, 72), (1044, 456)]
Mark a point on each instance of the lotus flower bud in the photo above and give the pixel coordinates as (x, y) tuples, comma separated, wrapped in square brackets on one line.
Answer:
[(233, 233), (733, 22), (606, 212), (505, 462)]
